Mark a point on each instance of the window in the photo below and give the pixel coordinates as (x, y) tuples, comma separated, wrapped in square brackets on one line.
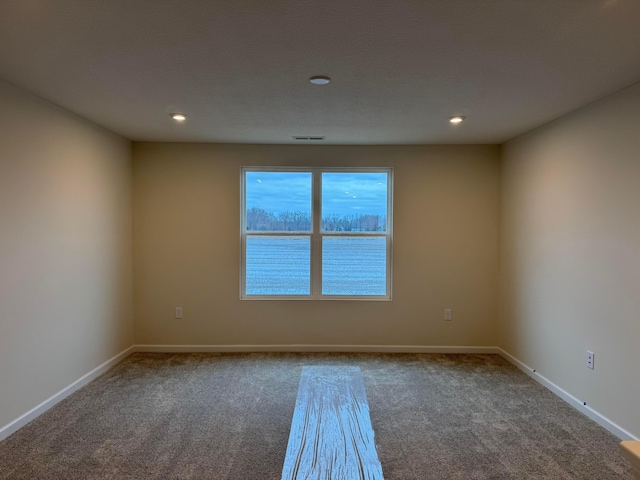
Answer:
[(316, 233)]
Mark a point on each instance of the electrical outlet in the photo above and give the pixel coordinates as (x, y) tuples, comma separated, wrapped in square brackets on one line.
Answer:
[(590, 356), (178, 312), (448, 314)]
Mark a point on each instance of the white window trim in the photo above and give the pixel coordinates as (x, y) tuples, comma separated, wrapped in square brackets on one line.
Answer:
[(316, 235)]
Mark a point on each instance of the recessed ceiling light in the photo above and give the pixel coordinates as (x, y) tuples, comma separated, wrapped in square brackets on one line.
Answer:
[(319, 80), (456, 119), (179, 117)]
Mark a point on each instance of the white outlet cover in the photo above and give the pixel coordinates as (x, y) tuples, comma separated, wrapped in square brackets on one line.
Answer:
[(590, 359)]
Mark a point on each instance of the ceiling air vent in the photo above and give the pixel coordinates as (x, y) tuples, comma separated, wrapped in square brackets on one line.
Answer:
[(309, 138)]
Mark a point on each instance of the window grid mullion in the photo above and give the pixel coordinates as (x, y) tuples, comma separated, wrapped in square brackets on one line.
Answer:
[(316, 238)]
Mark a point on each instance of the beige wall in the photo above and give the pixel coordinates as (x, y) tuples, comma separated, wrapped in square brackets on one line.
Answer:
[(187, 249), (65, 249), (570, 254)]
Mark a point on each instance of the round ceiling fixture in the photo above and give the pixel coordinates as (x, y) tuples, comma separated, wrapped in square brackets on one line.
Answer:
[(319, 80), (456, 119), (179, 117)]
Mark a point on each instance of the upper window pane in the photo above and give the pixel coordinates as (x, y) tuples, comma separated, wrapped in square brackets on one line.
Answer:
[(278, 201), (354, 202)]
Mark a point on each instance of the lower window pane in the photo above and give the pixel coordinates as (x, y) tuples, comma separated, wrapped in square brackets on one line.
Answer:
[(354, 265), (278, 265)]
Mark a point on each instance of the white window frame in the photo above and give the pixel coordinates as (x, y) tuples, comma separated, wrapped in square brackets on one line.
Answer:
[(316, 234)]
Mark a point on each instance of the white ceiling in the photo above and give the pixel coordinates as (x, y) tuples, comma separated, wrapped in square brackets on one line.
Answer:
[(239, 68)]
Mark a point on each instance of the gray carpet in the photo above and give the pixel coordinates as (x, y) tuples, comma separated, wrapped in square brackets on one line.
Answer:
[(227, 417)]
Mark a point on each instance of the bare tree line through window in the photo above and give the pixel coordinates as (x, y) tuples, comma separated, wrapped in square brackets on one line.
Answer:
[(260, 220)]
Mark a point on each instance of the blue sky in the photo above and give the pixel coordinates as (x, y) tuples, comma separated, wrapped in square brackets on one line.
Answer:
[(342, 193)]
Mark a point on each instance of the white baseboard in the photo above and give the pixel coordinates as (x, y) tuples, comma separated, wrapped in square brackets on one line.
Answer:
[(82, 381), (62, 394), (579, 405), (314, 348)]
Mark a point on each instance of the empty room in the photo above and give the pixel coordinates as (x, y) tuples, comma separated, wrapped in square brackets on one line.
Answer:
[(249, 240)]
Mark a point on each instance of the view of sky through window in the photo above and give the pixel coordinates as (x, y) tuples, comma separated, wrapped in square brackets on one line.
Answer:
[(354, 193), (354, 201), (279, 191), (278, 201)]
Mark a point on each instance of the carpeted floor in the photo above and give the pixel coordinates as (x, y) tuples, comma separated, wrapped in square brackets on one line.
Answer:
[(227, 417)]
